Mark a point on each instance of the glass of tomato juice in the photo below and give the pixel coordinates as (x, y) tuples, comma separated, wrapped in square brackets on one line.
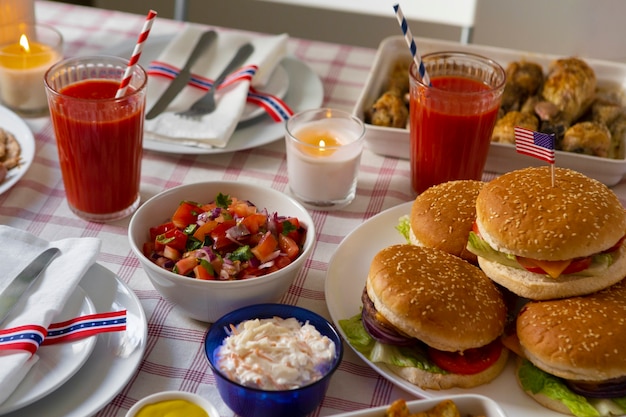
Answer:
[(99, 137), (452, 119)]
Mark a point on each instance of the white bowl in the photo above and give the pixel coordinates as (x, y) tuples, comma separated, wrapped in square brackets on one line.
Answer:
[(209, 300), (174, 395), (468, 405), (502, 157)]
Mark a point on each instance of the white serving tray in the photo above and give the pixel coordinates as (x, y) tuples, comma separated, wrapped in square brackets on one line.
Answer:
[(502, 157), (468, 405)]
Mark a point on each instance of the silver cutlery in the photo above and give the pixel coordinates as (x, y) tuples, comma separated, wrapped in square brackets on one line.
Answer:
[(183, 76), (206, 104), (22, 282)]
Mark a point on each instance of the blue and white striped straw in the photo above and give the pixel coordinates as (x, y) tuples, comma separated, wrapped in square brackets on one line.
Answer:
[(411, 42)]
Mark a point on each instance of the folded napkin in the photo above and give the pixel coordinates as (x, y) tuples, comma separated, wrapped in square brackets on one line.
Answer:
[(214, 129), (45, 298)]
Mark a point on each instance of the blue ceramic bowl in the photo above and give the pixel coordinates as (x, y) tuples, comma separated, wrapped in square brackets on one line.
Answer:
[(254, 402)]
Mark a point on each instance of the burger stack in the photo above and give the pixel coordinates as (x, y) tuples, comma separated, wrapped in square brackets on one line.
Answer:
[(559, 248), (532, 260)]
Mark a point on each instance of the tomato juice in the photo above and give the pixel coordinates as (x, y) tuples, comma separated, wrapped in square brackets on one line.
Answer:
[(451, 123), (99, 141)]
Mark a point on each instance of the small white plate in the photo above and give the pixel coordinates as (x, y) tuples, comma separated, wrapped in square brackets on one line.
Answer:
[(113, 361), (11, 122), (57, 363), (345, 279)]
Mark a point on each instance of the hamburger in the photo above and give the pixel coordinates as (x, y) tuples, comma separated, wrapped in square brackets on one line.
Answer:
[(575, 352), (544, 242), (442, 217), (431, 317)]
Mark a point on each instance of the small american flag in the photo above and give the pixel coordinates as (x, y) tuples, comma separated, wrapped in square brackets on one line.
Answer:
[(537, 144)]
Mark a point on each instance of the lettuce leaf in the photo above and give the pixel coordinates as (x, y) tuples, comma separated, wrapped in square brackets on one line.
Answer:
[(536, 381), (404, 227), (403, 356)]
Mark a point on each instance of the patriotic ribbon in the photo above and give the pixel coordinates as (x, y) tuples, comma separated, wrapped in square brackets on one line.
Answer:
[(30, 337), (278, 110)]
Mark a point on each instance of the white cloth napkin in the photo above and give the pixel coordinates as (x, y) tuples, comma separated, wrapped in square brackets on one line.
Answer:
[(214, 129), (45, 298)]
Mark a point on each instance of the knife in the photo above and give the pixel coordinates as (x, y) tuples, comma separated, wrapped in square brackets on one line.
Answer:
[(22, 282), (183, 76)]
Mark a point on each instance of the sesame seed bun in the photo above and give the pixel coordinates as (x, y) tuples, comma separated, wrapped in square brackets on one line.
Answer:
[(436, 297), (521, 213), (442, 217), (579, 338)]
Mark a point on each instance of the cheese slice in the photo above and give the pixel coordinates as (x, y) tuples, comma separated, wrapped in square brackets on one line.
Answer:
[(552, 268)]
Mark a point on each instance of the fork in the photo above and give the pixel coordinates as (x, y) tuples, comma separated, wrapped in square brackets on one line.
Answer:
[(206, 104)]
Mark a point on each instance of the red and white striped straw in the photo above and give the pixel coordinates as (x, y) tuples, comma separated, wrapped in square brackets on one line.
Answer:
[(136, 54)]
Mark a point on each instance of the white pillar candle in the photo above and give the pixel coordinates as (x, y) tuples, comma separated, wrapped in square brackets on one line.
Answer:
[(323, 156), (23, 62)]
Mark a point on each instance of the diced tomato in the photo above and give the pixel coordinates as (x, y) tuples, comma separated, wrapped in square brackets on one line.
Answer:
[(254, 222), (288, 246), (205, 229), (186, 214), (171, 253), (240, 208), (266, 247), (160, 229), (218, 234), (148, 248), (471, 361), (281, 262), (174, 238), (186, 265), (293, 228), (201, 272)]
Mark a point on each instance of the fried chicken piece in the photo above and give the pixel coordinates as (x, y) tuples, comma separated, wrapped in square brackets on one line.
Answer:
[(399, 77), (389, 110), (10, 150), (589, 138), (504, 130), (570, 85), (523, 80), (618, 137)]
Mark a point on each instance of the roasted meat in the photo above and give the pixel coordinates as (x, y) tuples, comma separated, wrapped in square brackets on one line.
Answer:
[(570, 85), (589, 138), (389, 110), (504, 130), (523, 80)]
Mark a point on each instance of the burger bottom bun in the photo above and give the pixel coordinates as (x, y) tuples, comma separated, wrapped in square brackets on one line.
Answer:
[(434, 381), (541, 287)]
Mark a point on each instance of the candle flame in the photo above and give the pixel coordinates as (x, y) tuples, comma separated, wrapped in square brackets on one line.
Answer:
[(24, 43), (322, 143)]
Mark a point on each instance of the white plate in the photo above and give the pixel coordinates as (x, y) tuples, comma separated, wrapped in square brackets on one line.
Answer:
[(306, 92), (345, 279), (57, 363), (468, 405), (277, 85), (11, 122), (113, 361)]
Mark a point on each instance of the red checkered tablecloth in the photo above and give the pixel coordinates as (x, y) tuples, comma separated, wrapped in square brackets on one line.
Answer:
[(174, 357)]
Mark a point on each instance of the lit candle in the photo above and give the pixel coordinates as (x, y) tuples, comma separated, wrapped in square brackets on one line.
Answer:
[(323, 158), (23, 63)]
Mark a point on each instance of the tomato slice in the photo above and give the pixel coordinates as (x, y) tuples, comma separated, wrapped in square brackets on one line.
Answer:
[(471, 361), (573, 266)]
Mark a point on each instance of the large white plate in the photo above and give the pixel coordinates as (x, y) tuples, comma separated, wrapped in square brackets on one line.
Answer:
[(113, 361), (11, 122), (57, 363), (345, 279), (305, 92)]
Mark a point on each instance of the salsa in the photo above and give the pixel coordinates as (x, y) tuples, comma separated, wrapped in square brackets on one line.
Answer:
[(226, 239)]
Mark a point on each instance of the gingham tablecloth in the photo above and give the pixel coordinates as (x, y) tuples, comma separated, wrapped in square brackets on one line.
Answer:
[(174, 358)]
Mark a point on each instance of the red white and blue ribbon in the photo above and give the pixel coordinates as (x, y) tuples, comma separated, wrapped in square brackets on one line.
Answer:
[(30, 337), (278, 110)]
